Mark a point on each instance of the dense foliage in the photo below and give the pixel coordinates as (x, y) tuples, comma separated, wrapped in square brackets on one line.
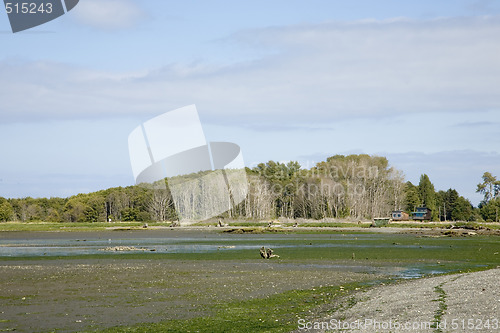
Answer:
[(357, 186), (354, 186)]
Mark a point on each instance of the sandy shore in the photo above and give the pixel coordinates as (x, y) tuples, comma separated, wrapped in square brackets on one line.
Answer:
[(460, 303)]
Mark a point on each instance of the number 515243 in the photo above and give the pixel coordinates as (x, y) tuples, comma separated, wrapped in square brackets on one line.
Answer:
[(28, 8)]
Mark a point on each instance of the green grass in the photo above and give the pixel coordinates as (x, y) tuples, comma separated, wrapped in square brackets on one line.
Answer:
[(441, 311), (76, 226), (232, 223), (335, 225), (98, 226), (290, 224), (275, 313), (445, 225)]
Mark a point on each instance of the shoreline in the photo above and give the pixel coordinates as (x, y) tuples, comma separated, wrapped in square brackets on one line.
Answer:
[(54, 228), (450, 302)]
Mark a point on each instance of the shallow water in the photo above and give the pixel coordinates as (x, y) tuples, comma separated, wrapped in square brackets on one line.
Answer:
[(167, 242), (71, 244)]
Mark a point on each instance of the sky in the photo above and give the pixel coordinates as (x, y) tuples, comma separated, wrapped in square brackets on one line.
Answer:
[(415, 81)]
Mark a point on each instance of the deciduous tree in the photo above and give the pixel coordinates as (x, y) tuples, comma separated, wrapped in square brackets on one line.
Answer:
[(6, 211), (490, 187)]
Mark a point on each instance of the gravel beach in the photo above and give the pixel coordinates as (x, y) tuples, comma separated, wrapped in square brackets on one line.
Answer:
[(468, 302)]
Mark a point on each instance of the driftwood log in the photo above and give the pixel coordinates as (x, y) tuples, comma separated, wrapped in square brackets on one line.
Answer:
[(267, 253)]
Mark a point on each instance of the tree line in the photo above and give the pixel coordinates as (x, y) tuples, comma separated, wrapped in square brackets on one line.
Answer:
[(353, 186)]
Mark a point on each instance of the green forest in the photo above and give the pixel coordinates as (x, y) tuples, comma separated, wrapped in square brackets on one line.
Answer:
[(356, 187)]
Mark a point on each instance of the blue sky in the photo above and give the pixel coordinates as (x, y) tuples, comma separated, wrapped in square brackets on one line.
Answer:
[(415, 81)]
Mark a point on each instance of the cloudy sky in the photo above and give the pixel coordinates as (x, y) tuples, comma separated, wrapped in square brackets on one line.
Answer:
[(417, 82)]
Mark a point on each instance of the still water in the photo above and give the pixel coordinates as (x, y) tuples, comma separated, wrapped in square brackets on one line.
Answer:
[(61, 244)]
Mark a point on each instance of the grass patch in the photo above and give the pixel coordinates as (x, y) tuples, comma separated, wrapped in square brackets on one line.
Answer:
[(335, 225), (442, 307), (98, 226), (254, 224), (76, 226), (275, 313), (444, 225)]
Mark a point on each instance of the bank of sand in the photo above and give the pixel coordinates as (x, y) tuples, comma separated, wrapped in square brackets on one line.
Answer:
[(467, 302)]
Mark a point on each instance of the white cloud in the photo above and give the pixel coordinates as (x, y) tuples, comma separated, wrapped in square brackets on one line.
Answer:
[(387, 66), (108, 14), (317, 73)]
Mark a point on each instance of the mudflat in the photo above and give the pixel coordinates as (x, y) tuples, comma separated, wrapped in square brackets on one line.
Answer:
[(184, 277), (85, 294)]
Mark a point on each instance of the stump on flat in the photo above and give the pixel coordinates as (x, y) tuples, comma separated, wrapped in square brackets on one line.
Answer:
[(263, 253), (267, 253)]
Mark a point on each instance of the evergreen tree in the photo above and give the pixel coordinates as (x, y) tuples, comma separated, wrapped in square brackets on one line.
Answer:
[(428, 195), (462, 210), (490, 211), (412, 197), (446, 202)]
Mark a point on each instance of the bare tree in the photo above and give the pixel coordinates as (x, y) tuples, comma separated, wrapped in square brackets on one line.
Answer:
[(158, 204)]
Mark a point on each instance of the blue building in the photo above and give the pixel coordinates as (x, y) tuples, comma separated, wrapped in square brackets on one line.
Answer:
[(422, 214)]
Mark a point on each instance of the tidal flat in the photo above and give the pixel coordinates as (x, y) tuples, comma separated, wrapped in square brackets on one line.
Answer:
[(200, 280)]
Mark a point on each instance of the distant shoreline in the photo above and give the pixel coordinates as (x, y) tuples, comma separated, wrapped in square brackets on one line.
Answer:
[(424, 228)]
